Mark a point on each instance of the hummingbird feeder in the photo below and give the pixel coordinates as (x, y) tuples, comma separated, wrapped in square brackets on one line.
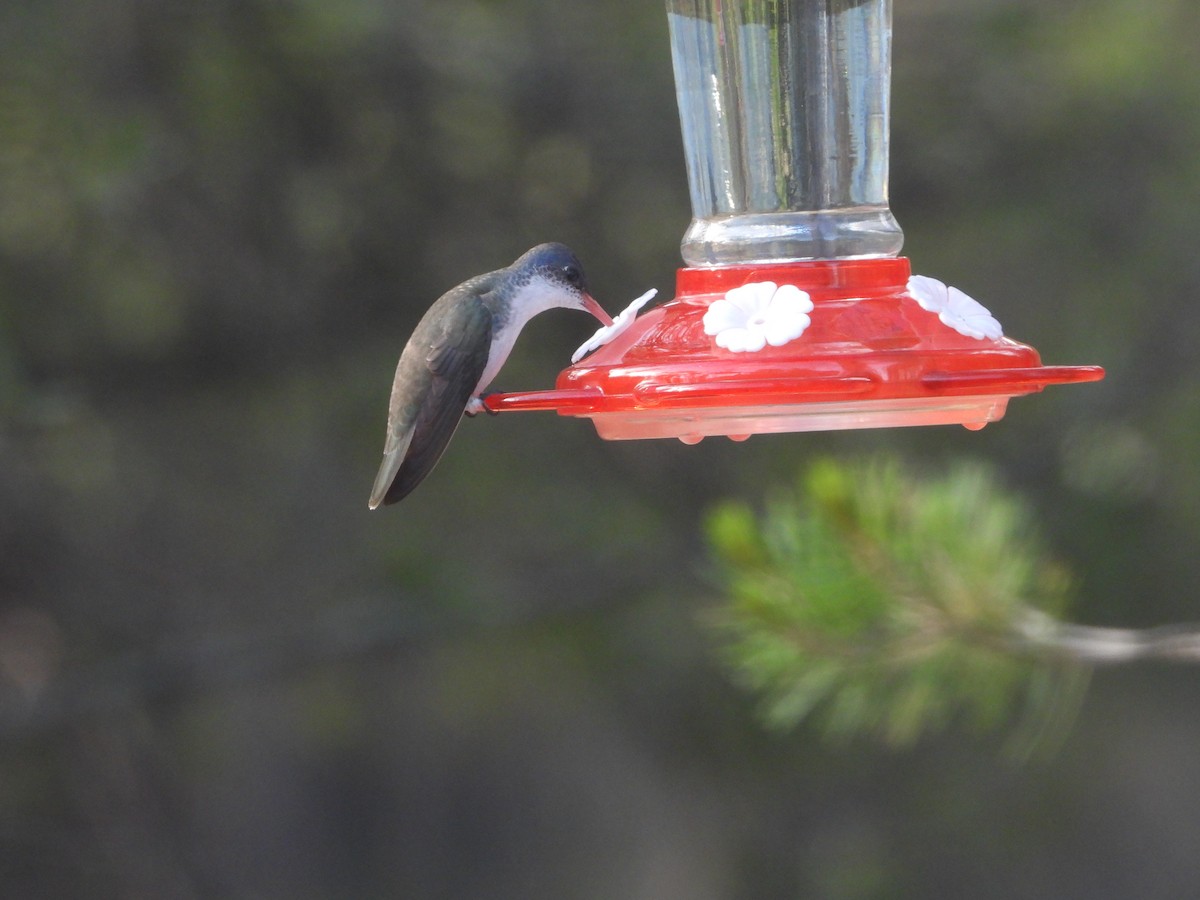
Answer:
[(795, 311)]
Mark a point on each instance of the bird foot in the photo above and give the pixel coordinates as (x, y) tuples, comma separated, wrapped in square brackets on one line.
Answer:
[(476, 405)]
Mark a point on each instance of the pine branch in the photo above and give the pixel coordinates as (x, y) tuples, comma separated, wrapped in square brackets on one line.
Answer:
[(1043, 634), (877, 602)]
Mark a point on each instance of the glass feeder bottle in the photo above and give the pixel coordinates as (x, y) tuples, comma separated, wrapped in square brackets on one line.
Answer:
[(784, 112)]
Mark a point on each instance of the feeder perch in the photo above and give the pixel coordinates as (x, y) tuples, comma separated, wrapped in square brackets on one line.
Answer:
[(795, 312)]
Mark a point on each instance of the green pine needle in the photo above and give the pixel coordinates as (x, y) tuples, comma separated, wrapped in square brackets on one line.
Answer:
[(882, 604)]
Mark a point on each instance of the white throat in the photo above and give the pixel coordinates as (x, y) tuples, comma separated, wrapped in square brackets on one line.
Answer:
[(535, 296)]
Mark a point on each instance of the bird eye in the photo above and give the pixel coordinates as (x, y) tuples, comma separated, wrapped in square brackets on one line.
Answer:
[(572, 274)]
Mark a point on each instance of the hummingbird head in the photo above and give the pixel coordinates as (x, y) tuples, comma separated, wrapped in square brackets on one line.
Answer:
[(551, 275)]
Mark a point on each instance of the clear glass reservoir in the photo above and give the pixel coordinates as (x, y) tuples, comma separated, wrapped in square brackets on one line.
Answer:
[(784, 110)]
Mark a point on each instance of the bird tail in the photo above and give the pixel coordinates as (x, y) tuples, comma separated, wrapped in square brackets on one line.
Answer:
[(393, 457)]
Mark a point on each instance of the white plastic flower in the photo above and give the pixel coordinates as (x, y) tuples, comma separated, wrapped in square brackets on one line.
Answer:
[(757, 314), (960, 312), (620, 322)]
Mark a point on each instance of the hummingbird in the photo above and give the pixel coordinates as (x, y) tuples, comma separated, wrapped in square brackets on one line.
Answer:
[(456, 350)]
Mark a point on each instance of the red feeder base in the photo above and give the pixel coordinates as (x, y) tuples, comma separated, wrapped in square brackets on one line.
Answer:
[(871, 358)]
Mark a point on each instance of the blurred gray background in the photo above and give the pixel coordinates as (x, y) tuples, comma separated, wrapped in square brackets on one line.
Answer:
[(220, 676)]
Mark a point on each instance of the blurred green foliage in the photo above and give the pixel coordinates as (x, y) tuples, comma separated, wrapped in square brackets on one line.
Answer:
[(891, 605)]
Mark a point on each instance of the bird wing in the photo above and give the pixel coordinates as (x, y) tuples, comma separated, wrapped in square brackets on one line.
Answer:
[(446, 357)]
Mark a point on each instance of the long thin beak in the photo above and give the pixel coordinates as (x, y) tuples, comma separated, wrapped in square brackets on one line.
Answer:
[(596, 310)]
